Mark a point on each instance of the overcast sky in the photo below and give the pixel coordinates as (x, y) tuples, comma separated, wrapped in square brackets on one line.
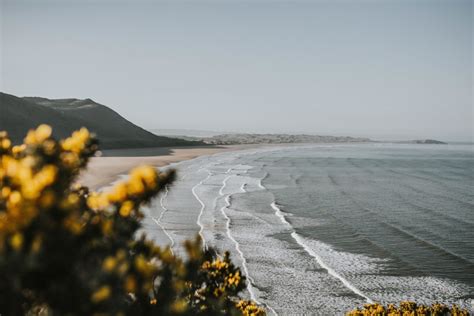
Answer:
[(382, 68)]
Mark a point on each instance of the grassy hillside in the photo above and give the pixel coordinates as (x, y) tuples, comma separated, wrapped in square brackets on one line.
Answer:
[(18, 115)]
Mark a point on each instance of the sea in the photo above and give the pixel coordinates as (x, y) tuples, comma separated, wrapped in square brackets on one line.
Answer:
[(321, 229)]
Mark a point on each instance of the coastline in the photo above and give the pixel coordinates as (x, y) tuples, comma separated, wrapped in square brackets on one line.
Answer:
[(102, 171)]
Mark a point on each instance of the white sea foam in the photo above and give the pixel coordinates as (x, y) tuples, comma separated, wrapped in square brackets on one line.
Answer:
[(260, 185), (158, 220), (237, 247), (236, 243), (203, 206), (313, 254)]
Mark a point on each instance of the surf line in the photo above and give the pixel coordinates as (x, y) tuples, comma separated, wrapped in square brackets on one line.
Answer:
[(158, 220), (313, 254), (260, 185), (203, 206), (237, 246)]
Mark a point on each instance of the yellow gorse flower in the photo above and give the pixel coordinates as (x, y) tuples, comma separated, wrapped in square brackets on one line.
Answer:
[(407, 308), (249, 308), (77, 142), (35, 137), (86, 242), (143, 266), (130, 285), (36, 244), (179, 306), (109, 264), (18, 149), (101, 294), (16, 241), (233, 279), (5, 143), (126, 208), (119, 193)]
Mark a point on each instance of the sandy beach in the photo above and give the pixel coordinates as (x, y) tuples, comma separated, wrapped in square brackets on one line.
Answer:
[(104, 170)]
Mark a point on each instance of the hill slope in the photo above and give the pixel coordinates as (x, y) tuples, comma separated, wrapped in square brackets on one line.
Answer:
[(18, 115)]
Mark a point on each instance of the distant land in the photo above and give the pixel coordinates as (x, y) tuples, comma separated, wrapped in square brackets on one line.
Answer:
[(185, 132), (216, 138), (427, 141), (18, 115), (241, 139)]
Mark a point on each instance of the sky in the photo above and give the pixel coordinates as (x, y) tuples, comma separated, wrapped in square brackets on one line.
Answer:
[(385, 69)]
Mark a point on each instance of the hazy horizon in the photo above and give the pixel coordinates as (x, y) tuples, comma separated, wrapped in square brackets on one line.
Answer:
[(381, 69)]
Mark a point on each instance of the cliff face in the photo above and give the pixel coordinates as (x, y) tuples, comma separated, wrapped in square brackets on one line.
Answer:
[(18, 115)]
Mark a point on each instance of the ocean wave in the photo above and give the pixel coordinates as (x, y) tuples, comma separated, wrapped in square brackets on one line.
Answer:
[(229, 235), (158, 220), (300, 241), (203, 206)]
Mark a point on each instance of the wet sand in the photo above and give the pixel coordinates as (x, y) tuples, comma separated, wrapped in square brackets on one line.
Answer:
[(106, 169)]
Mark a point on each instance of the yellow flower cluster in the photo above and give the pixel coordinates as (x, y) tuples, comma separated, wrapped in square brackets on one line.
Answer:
[(101, 294), (22, 175), (249, 308), (141, 270), (38, 136), (217, 268), (233, 278), (5, 143), (143, 266), (142, 181), (217, 265), (222, 272), (77, 142), (27, 181), (85, 243), (116, 264), (407, 308)]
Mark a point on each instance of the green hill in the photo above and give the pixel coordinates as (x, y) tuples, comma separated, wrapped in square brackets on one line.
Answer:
[(18, 115)]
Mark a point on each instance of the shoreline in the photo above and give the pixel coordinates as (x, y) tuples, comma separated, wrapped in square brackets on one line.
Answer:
[(104, 170)]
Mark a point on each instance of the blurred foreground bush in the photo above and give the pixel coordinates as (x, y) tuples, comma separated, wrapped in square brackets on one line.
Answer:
[(66, 250), (408, 309)]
